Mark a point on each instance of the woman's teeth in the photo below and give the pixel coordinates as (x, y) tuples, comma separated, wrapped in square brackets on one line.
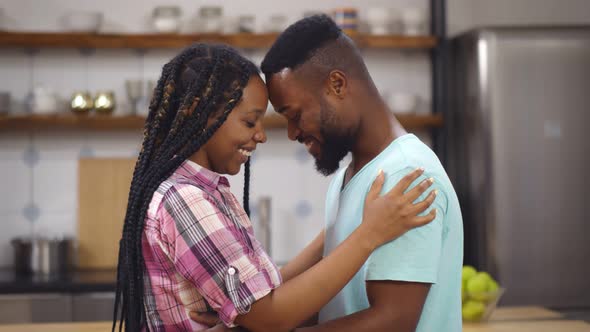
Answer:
[(245, 152)]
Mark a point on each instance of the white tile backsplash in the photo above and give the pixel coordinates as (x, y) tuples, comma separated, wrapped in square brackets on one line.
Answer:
[(12, 145), (116, 144), (59, 145), (56, 185), (61, 70), (15, 186), (56, 224), (15, 77)]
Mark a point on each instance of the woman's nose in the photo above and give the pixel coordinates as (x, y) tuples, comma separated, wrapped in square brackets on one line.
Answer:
[(260, 136)]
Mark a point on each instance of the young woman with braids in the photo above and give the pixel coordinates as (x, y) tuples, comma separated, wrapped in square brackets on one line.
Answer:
[(188, 245)]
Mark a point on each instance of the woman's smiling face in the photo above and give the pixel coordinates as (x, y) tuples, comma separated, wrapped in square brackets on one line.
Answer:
[(238, 136)]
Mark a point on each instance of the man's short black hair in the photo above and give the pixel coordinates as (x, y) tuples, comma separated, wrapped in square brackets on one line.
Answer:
[(296, 44)]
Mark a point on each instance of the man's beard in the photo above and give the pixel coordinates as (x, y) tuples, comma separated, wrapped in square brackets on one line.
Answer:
[(337, 143)]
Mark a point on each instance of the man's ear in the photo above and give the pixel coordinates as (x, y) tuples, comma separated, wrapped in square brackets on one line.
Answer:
[(337, 83), (193, 106)]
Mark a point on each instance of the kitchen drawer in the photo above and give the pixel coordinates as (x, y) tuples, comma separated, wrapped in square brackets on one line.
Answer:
[(15, 309), (89, 307), (35, 308)]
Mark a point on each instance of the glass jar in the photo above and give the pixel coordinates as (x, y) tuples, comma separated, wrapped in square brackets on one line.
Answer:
[(247, 23), (166, 19), (346, 19), (211, 19), (276, 23)]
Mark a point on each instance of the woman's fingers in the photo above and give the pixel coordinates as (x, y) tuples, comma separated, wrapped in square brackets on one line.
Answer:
[(405, 182)]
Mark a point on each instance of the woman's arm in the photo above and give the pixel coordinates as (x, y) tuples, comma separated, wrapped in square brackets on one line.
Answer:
[(385, 218)]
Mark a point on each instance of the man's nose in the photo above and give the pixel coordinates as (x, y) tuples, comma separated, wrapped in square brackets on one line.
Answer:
[(292, 130)]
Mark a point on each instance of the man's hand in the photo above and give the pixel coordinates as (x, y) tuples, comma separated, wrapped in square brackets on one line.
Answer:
[(212, 321)]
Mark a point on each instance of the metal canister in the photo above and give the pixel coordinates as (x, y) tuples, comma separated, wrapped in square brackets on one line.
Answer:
[(81, 102), (42, 256), (104, 102)]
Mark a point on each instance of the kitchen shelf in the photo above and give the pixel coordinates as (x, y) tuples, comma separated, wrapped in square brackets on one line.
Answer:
[(162, 41), (95, 122)]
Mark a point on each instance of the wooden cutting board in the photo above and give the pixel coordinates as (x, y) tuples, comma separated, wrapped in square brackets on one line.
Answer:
[(103, 188)]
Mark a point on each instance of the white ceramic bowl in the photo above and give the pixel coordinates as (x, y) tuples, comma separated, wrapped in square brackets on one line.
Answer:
[(83, 21), (166, 24), (378, 19), (403, 103), (414, 21)]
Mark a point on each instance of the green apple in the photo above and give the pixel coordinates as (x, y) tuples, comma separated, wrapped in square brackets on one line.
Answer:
[(473, 310), (485, 275), (468, 272), (477, 284), (477, 287)]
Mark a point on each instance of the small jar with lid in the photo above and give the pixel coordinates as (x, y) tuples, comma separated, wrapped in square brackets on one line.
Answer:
[(166, 19), (211, 19), (346, 19), (276, 23), (247, 23)]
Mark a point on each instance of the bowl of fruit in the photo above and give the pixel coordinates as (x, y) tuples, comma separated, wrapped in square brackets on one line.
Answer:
[(480, 294)]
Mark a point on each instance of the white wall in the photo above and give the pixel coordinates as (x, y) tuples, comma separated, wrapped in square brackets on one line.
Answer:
[(467, 14), (280, 168)]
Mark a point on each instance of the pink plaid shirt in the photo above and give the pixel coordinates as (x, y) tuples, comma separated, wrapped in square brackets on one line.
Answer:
[(200, 253)]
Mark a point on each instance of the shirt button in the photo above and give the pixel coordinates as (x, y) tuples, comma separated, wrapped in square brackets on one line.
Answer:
[(231, 271)]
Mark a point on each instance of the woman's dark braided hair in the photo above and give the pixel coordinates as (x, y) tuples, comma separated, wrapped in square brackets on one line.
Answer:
[(213, 77)]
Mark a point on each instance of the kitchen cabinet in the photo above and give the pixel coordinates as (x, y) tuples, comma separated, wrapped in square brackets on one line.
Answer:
[(15, 309)]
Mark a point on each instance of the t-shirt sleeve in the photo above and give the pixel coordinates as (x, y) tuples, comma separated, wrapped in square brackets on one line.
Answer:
[(214, 255), (414, 256)]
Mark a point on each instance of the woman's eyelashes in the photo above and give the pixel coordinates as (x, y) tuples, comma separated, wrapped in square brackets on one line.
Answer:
[(250, 124)]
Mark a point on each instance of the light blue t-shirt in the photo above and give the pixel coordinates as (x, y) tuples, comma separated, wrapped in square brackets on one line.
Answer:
[(431, 254)]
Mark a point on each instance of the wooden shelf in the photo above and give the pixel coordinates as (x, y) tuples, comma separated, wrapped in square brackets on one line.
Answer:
[(70, 121), (93, 122), (414, 122), (160, 41)]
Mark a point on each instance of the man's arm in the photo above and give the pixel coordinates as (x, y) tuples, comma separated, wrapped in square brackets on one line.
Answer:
[(307, 258), (395, 306)]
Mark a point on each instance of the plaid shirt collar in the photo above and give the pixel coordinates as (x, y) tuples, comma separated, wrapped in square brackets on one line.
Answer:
[(191, 170)]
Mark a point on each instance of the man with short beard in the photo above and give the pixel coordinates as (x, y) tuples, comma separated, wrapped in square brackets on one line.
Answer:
[(317, 79)]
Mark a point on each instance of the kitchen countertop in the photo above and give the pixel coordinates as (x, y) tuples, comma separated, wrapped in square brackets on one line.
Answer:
[(507, 319), (75, 282), (527, 319)]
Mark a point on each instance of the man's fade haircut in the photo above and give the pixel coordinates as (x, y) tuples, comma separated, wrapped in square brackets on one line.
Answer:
[(318, 41), (298, 42)]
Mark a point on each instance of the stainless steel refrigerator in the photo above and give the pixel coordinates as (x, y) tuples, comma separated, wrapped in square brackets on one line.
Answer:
[(518, 130)]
